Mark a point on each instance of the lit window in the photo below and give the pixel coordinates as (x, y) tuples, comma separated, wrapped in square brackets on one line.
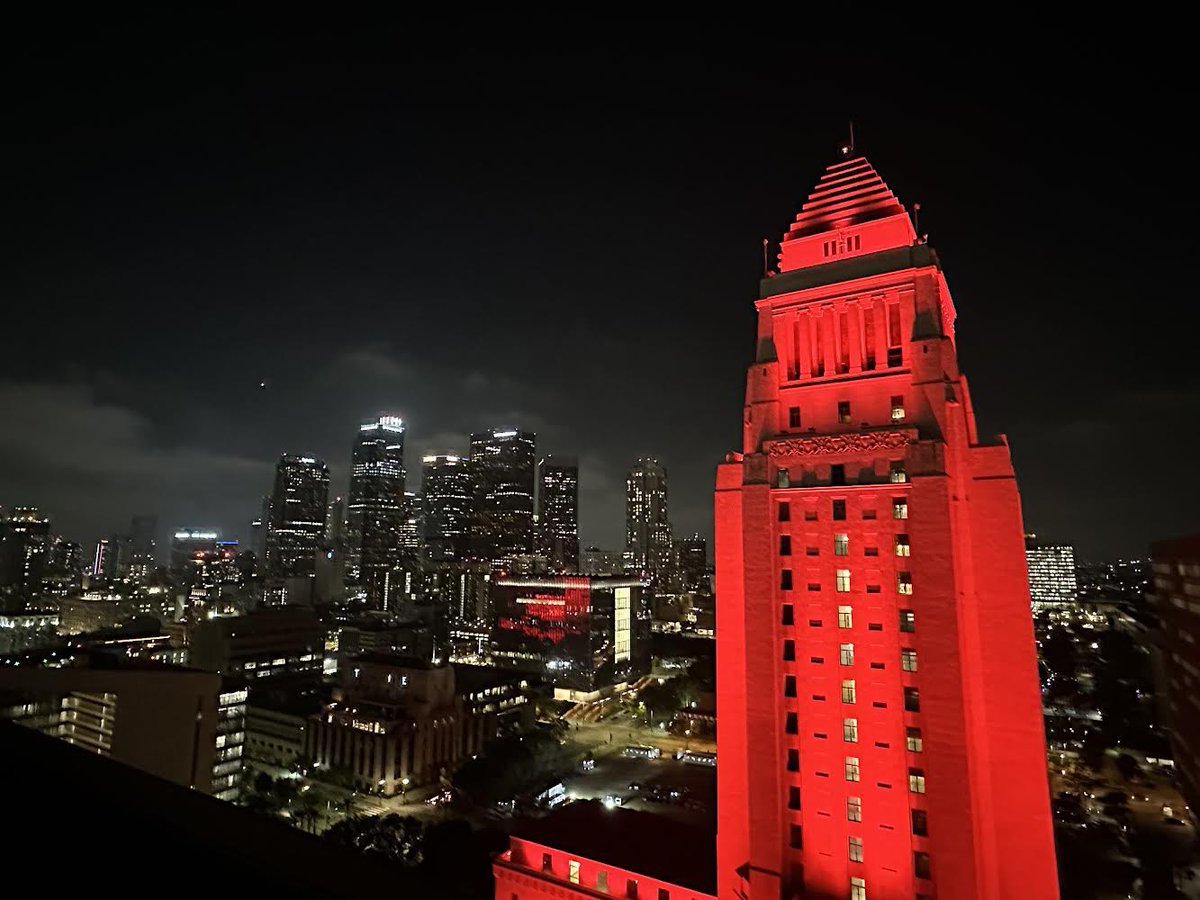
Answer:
[(843, 580), (856, 853), (897, 473), (844, 412), (573, 871), (908, 621), (783, 479), (839, 510), (858, 889), (794, 417), (854, 809), (850, 730), (846, 654), (849, 694), (908, 660), (904, 583), (912, 700), (852, 768), (916, 781), (913, 740), (902, 547), (898, 409), (845, 617), (899, 508), (841, 545)]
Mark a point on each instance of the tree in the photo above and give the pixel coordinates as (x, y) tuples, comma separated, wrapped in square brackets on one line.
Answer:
[(1060, 654), (393, 837), (1128, 766), (661, 699)]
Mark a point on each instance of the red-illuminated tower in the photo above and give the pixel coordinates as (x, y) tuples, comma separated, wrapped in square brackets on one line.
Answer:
[(880, 720)]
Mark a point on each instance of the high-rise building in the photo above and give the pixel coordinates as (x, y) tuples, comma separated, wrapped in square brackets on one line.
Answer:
[(24, 545), (296, 526), (448, 499), (594, 561), (191, 544), (691, 564), (558, 511), (647, 525), (143, 541), (503, 466), (881, 721), (1175, 566), (376, 510), (1051, 572)]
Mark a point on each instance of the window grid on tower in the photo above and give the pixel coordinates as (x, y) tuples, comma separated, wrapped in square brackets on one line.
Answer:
[(858, 889), (842, 582), (845, 617), (854, 809), (846, 654), (849, 692), (899, 508), (908, 660), (904, 582), (850, 730), (852, 769), (916, 781), (902, 545), (855, 849), (841, 545), (913, 740)]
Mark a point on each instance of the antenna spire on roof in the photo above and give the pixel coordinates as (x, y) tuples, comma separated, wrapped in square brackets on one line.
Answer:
[(847, 147)]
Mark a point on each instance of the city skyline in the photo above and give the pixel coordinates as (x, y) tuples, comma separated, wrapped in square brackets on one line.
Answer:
[(434, 254)]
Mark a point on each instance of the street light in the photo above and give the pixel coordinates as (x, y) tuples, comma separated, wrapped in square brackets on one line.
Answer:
[(403, 788)]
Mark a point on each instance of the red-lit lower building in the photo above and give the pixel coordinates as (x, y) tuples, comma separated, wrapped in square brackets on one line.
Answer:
[(587, 850)]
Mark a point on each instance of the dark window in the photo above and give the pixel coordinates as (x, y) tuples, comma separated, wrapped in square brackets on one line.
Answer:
[(820, 698), (837, 474), (875, 626), (793, 760), (814, 586), (872, 589), (812, 551), (839, 510), (920, 824), (789, 686), (785, 512), (882, 745), (794, 417), (810, 515), (814, 623), (880, 704), (816, 659), (876, 665), (820, 735), (789, 651), (791, 725), (664, 894), (912, 700), (908, 621), (785, 579), (844, 412), (793, 797), (795, 837), (921, 864), (547, 862), (870, 551), (789, 617), (785, 545), (895, 357), (868, 514), (631, 888)]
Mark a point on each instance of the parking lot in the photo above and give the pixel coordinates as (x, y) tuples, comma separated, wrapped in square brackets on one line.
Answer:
[(684, 792)]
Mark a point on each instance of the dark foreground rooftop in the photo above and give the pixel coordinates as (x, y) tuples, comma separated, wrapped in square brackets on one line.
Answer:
[(638, 841)]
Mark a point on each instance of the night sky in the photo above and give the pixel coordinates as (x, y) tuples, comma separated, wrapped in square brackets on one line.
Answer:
[(568, 243)]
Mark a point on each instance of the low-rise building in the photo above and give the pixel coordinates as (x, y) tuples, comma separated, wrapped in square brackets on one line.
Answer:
[(646, 857), (394, 722), (267, 643), (277, 724)]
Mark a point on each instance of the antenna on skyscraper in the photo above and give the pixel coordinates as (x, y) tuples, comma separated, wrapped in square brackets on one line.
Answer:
[(765, 270), (847, 147)]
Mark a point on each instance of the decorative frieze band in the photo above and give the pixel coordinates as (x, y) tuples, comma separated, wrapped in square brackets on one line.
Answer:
[(851, 442)]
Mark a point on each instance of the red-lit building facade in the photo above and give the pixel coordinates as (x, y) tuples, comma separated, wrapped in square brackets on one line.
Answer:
[(880, 729)]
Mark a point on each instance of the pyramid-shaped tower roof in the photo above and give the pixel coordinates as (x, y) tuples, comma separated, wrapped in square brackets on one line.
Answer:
[(851, 211)]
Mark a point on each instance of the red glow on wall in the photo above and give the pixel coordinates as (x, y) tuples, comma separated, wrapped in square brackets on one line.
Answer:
[(551, 617)]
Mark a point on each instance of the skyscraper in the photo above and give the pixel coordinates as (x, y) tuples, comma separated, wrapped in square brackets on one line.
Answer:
[(503, 466), (449, 498), (647, 526), (558, 511), (691, 561), (881, 723), (1051, 567), (296, 527), (376, 511), (24, 544)]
